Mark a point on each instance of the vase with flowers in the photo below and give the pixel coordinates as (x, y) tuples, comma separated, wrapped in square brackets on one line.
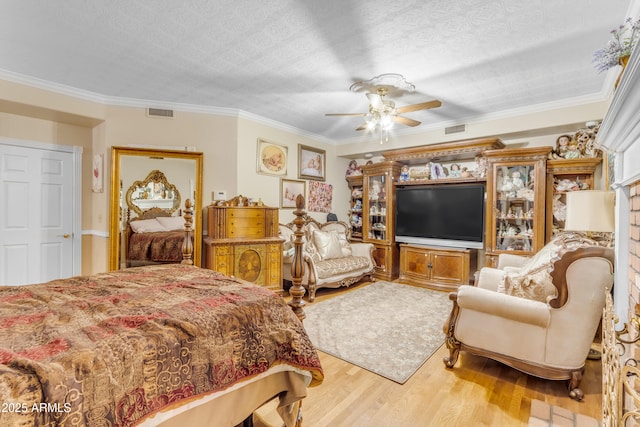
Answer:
[(617, 51)]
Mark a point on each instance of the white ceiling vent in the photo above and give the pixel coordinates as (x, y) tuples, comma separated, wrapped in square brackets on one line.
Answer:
[(455, 129), (159, 112)]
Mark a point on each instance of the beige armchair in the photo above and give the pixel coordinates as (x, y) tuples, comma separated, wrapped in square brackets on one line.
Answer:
[(329, 258), (537, 315)]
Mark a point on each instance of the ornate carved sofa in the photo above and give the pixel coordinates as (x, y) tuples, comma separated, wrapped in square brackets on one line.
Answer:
[(329, 258), (538, 315)]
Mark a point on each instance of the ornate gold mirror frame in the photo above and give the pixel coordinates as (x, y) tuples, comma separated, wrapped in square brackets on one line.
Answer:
[(118, 201), (160, 194)]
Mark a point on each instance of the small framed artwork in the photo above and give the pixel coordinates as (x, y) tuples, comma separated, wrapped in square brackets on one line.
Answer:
[(272, 158), (311, 163), (96, 174), (289, 190)]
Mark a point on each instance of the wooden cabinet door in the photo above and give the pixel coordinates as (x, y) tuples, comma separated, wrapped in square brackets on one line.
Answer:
[(415, 263), (448, 267)]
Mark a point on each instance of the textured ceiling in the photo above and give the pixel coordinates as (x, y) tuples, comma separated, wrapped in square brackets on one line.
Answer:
[(292, 61)]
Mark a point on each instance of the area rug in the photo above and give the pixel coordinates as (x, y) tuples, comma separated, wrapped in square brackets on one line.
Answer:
[(390, 329)]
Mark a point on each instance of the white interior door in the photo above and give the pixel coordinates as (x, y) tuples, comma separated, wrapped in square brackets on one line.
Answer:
[(37, 230)]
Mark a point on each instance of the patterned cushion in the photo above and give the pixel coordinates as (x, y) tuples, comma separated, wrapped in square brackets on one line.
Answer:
[(533, 280), (336, 266)]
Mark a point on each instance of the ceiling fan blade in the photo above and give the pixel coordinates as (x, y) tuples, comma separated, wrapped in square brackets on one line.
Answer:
[(421, 106), (362, 127), (405, 121), (376, 101), (346, 114)]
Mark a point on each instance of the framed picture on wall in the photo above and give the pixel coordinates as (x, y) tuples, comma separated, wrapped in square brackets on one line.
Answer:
[(311, 163), (97, 179), (271, 158), (289, 190)]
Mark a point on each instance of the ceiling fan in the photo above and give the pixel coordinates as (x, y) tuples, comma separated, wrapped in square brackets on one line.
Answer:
[(383, 113)]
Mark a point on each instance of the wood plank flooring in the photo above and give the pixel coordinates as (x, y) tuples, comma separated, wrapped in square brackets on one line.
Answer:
[(476, 392)]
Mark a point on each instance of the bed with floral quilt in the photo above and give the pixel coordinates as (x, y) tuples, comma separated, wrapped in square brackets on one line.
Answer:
[(168, 345)]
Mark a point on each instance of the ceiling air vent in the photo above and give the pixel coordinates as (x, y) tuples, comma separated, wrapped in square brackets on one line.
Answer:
[(455, 129), (159, 112)]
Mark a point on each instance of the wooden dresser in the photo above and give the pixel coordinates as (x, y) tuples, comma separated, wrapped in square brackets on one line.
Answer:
[(243, 242)]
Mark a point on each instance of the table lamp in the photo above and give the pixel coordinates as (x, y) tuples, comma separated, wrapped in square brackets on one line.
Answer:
[(591, 212)]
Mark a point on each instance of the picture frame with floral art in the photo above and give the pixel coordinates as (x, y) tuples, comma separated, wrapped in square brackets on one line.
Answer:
[(311, 163), (289, 191), (271, 158)]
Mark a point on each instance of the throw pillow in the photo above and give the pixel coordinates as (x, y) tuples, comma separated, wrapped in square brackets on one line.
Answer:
[(146, 226), (171, 223), (533, 281), (345, 246), (328, 244)]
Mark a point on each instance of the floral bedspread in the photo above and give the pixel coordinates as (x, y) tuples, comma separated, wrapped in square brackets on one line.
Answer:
[(112, 348)]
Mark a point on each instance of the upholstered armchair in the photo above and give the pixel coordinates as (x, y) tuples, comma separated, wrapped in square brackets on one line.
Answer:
[(537, 315), (329, 258)]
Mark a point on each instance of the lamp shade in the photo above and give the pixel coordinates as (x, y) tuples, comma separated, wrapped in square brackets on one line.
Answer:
[(590, 210)]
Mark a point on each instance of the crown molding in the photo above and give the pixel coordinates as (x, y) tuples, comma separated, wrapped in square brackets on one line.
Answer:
[(241, 114), (145, 103), (601, 96), (621, 125)]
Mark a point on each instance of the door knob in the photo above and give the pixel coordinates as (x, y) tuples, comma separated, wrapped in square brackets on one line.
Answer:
[(66, 236)]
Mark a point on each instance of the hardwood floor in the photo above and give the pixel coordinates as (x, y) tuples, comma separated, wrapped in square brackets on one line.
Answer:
[(476, 392)]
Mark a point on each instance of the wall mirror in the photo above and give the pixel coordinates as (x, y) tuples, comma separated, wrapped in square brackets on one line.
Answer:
[(155, 191), (148, 184)]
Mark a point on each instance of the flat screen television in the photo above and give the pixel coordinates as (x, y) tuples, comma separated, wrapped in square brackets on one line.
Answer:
[(450, 215)]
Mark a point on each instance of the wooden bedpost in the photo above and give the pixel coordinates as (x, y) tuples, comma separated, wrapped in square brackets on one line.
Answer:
[(187, 244), (297, 265)]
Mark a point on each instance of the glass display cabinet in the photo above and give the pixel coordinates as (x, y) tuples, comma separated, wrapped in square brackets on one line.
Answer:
[(515, 206), (378, 225), (563, 176), (355, 206)]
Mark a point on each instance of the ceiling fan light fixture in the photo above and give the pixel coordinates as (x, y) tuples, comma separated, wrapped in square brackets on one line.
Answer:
[(386, 122), (382, 112)]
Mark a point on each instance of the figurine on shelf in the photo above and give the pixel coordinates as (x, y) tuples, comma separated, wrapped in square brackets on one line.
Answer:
[(516, 179), (505, 184), (563, 185), (376, 187), (437, 171), (353, 169), (454, 171), (481, 166), (559, 208), (573, 151), (562, 145), (512, 231), (404, 173)]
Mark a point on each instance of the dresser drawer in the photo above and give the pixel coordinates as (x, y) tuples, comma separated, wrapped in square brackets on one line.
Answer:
[(248, 232), (245, 213)]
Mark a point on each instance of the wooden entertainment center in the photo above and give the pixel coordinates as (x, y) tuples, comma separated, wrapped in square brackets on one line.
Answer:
[(518, 219), (437, 267)]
